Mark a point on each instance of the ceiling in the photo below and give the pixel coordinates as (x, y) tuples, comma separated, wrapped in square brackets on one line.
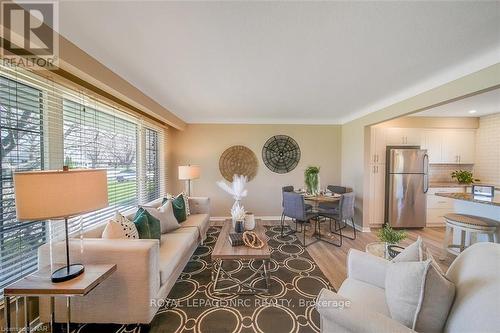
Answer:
[(284, 62), (483, 105)]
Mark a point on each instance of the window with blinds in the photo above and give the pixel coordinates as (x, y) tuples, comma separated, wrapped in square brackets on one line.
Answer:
[(44, 126), (21, 148), (152, 165), (98, 139)]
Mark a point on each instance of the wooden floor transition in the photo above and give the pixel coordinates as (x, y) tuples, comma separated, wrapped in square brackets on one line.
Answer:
[(332, 260)]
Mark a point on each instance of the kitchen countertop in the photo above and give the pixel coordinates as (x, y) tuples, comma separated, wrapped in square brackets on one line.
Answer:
[(495, 201), (452, 184), (447, 184)]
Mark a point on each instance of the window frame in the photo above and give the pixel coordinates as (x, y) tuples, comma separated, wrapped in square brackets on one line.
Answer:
[(52, 152)]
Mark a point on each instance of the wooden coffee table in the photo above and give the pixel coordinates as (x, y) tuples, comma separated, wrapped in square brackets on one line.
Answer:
[(224, 251)]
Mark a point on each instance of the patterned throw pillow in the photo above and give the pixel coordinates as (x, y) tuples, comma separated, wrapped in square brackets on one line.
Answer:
[(120, 228), (186, 203)]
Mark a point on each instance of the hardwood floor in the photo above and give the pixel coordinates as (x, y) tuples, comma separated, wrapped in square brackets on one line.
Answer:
[(332, 260)]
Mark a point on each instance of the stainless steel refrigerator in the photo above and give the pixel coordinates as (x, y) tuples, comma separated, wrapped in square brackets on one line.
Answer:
[(408, 182)]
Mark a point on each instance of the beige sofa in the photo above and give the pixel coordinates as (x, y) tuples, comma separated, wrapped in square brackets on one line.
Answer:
[(476, 308), (146, 269)]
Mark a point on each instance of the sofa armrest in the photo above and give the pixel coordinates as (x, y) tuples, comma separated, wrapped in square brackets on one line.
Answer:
[(133, 285), (366, 267), (199, 205), (339, 314)]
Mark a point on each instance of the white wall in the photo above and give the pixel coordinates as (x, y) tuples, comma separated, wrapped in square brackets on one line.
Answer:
[(487, 166)]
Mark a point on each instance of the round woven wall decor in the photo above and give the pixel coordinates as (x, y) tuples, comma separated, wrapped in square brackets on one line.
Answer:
[(281, 154), (238, 160)]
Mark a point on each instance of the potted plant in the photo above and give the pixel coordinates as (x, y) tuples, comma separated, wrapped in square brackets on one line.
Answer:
[(391, 237), (463, 177), (311, 178)]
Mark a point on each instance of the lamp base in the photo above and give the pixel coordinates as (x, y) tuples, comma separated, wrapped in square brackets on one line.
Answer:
[(65, 274)]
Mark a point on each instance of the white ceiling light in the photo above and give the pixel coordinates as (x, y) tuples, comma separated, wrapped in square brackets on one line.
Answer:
[(472, 111)]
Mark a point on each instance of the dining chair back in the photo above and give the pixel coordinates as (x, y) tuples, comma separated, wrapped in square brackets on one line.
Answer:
[(346, 206), (337, 189), (288, 188), (294, 206)]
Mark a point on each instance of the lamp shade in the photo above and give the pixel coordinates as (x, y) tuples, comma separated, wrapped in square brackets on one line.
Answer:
[(188, 172), (56, 194)]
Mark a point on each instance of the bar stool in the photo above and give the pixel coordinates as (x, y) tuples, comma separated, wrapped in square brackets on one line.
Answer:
[(474, 225)]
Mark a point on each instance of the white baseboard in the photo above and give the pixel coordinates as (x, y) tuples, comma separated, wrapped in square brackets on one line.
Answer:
[(277, 218)]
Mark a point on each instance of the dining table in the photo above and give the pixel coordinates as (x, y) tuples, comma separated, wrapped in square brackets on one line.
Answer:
[(322, 197), (316, 200)]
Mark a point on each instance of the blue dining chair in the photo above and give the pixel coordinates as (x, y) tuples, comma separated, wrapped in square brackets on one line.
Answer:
[(333, 205), (294, 207), (344, 213)]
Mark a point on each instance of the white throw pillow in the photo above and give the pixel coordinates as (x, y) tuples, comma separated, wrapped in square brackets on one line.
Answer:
[(414, 252), (165, 214), (418, 295), (120, 227)]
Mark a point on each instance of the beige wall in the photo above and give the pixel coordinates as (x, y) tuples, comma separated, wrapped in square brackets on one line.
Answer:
[(355, 151), (203, 144), (487, 166)]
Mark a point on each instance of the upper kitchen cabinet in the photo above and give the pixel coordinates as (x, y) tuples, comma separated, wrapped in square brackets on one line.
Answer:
[(459, 146), (395, 136), (433, 142), (377, 155), (450, 146), (444, 146)]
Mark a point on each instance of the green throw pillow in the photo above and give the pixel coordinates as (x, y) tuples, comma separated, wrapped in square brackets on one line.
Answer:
[(179, 206), (147, 225)]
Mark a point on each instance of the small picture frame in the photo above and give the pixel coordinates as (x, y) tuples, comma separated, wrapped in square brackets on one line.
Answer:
[(483, 190)]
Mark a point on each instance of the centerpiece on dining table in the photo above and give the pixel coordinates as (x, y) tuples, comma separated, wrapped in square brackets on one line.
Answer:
[(311, 179)]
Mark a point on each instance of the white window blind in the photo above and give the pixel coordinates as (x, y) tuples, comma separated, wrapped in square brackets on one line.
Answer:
[(98, 139), (44, 125), (21, 148), (153, 163)]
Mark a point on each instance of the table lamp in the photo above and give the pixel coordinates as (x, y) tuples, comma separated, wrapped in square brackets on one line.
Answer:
[(188, 173), (49, 195)]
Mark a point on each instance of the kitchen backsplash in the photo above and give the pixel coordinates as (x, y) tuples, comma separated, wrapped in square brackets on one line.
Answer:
[(442, 172), (487, 161)]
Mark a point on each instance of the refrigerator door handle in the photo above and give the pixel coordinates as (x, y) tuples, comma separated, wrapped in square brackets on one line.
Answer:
[(426, 171)]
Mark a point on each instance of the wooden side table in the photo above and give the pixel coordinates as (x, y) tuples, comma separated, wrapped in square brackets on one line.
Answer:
[(39, 284)]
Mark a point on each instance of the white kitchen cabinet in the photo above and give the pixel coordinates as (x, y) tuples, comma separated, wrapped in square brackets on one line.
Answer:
[(450, 146), (377, 193), (438, 207), (377, 155), (458, 146), (403, 136), (433, 143)]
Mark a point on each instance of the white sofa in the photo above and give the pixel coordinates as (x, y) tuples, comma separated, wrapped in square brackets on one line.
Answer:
[(146, 269), (476, 308)]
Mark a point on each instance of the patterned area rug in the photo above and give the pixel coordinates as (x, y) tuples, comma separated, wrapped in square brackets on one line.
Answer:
[(192, 306)]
